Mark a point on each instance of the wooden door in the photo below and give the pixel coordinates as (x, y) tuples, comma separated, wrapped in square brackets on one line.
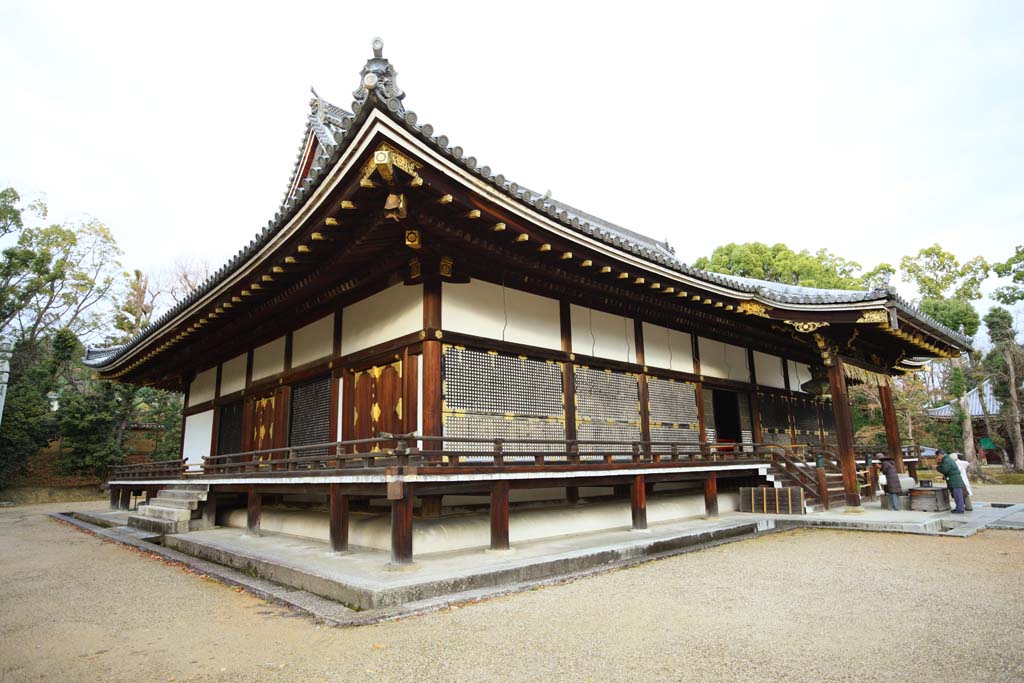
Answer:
[(377, 402), (265, 423)]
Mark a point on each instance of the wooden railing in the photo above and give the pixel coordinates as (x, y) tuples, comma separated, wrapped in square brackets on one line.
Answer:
[(446, 452), (160, 469)]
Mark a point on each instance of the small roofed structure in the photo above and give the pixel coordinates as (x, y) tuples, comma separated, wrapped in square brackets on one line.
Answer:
[(412, 324)]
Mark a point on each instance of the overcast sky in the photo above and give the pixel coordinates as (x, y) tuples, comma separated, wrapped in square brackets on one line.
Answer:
[(872, 129)]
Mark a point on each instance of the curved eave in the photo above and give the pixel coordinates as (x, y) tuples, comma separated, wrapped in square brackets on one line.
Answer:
[(375, 118)]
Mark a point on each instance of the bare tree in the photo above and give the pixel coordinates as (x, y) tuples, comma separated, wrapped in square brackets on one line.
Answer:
[(185, 277)]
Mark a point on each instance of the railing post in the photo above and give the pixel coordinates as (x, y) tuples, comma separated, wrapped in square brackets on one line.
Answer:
[(819, 473), (499, 448), (636, 452), (402, 452), (675, 452), (574, 452)]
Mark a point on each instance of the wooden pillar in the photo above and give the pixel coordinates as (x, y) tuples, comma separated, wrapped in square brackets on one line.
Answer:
[(711, 495), (643, 391), (569, 389), (401, 527), (844, 431), (124, 498), (432, 393), (339, 519), (255, 512), (572, 494), (698, 388), (638, 501), (912, 470), (892, 429), (499, 516), (115, 498), (430, 506)]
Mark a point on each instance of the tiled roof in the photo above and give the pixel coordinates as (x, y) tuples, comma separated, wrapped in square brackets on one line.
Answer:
[(992, 403), (378, 88)]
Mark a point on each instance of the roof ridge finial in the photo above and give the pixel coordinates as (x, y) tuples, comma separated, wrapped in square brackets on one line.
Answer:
[(379, 76)]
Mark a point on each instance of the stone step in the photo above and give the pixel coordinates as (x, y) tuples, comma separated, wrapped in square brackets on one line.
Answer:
[(159, 512), (191, 494), (177, 494), (159, 526), (181, 503)]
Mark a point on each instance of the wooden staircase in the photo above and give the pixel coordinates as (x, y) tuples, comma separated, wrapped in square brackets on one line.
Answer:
[(787, 470)]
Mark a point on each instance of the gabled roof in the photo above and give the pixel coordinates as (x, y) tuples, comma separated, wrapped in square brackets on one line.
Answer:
[(330, 129), (974, 398)]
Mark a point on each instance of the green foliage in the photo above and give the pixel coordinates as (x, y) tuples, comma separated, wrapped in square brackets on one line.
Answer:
[(163, 408), (999, 322), (93, 424), (27, 422), (1012, 267), (956, 314), (938, 274), (779, 263)]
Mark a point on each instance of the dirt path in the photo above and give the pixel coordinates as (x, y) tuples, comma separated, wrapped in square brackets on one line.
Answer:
[(801, 606)]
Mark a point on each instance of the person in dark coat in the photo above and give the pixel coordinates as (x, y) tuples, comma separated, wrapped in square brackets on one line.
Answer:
[(892, 483), (954, 482)]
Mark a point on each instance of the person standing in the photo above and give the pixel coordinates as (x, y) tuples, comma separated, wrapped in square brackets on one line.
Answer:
[(962, 463), (893, 489), (954, 482)]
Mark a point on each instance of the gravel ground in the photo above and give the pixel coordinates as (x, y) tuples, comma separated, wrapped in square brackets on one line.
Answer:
[(808, 605)]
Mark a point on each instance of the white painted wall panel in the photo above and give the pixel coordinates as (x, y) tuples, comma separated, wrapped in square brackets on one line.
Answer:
[(198, 437), (382, 317), (203, 387), (666, 348), (768, 369), (725, 361), (798, 374), (488, 310), (604, 335), (268, 359), (232, 375), (313, 342)]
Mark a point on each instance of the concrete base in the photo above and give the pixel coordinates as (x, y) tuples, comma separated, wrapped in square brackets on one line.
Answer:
[(365, 580)]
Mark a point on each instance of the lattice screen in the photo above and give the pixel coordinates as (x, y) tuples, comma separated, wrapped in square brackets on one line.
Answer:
[(774, 419), (805, 415), (746, 420), (607, 406), (711, 434), (229, 429), (311, 414), (673, 406), (489, 395), (828, 422)]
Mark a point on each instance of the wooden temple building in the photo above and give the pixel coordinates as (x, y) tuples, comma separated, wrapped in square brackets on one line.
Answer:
[(413, 325)]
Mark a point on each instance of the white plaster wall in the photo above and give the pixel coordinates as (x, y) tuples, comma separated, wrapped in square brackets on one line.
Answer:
[(313, 342), (232, 375), (268, 359), (382, 317), (768, 369), (604, 335), (488, 310), (718, 359), (798, 374), (203, 387), (666, 348), (198, 436)]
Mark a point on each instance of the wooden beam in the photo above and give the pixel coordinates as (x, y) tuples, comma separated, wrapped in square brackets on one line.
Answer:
[(499, 516), (643, 390), (844, 431), (711, 495), (638, 501), (339, 519), (401, 528), (255, 512), (892, 430)]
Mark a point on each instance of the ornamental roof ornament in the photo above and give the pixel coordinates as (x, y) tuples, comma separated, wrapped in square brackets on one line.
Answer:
[(378, 75)]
